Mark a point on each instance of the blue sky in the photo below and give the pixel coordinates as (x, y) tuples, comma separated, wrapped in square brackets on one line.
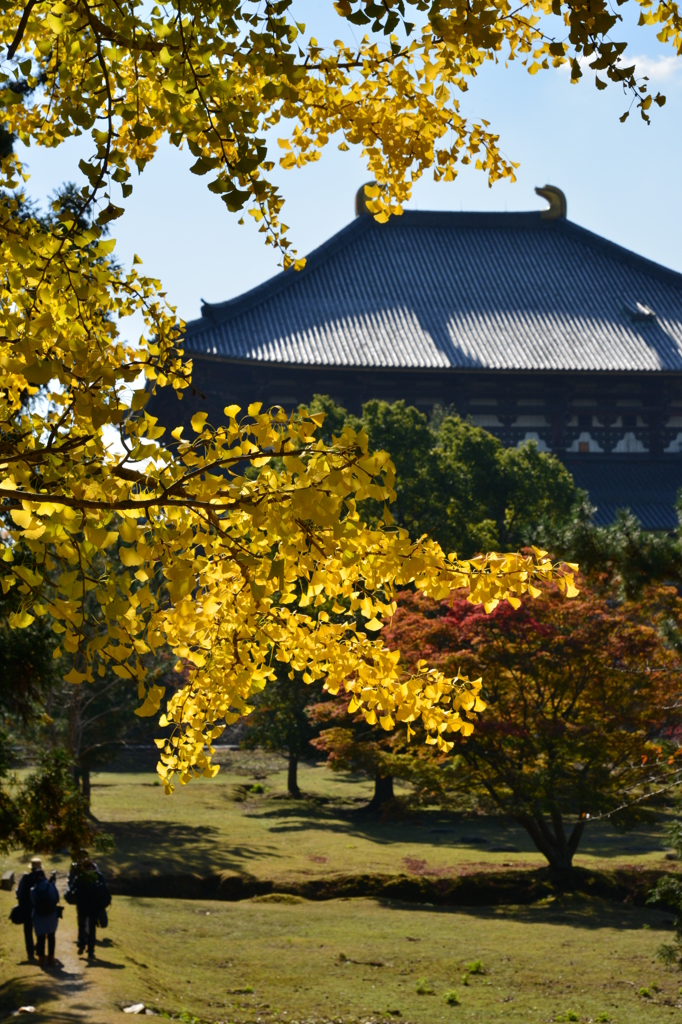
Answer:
[(621, 180)]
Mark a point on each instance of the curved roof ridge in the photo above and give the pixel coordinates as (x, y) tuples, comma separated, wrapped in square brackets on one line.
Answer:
[(457, 290), (219, 312)]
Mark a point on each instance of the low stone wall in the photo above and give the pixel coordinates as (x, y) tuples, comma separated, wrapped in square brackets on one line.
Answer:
[(486, 888)]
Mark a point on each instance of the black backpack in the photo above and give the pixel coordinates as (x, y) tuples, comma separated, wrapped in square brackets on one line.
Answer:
[(45, 897), (99, 894)]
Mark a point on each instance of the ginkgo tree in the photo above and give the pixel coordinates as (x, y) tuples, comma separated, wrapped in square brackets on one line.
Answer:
[(233, 569)]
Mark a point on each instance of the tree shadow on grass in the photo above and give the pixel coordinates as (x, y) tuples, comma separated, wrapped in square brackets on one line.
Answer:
[(606, 842), (573, 911), (430, 827), (147, 846), (35, 992), (443, 830)]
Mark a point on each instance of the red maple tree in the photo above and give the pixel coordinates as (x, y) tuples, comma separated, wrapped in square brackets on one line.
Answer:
[(582, 702)]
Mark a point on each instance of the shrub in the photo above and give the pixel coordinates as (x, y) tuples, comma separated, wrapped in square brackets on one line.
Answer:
[(451, 997), (473, 968)]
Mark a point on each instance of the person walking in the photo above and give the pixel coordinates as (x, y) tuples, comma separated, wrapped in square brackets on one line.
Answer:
[(88, 890), (46, 914), (26, 882)]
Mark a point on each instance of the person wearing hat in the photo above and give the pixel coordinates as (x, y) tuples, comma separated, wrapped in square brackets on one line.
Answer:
[(34, 874), (46, 914)]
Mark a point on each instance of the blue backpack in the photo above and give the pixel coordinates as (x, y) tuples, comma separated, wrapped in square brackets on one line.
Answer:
[(45, 897)]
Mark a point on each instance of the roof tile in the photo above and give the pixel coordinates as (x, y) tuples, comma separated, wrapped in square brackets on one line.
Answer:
[(447, 290)]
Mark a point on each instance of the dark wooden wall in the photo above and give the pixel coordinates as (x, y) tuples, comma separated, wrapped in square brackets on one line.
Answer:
[(576, 413)]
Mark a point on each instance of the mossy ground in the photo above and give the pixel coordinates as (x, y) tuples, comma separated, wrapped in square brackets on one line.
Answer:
[(350, 960)]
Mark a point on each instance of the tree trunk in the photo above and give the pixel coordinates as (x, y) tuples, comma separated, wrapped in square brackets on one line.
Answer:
[(292, 776), (383, 791), (85, 783), (553, 843)]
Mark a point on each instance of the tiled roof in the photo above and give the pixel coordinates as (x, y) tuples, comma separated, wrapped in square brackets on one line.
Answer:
[(506, 291), (647, 487)]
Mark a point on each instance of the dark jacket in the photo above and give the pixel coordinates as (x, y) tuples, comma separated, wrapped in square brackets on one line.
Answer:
[(26, 883), (88, 889)]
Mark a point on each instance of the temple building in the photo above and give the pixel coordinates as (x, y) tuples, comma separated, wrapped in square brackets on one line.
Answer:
[(527, 324)]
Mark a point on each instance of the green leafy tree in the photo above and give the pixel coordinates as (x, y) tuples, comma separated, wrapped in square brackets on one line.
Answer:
[(458, 483), (48, 813), (403, 431), (280, 721), (621, 552), (27, 670), (496, 496), (9, 818)]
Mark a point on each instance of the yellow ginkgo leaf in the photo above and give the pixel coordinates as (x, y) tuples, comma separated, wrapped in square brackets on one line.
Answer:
[(75, 677), (20, 620), (373, 624), (198, 421), (129, 556), (21, 517)]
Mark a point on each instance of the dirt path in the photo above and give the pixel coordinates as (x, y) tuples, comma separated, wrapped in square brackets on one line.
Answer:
[(75, 991)]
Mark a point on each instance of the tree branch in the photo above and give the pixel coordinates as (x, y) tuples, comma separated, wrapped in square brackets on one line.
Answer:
[(16, 42)]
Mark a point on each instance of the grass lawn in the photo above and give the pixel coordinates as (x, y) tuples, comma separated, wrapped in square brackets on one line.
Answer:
[(356, 961), (219, 826), (267, 962)]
